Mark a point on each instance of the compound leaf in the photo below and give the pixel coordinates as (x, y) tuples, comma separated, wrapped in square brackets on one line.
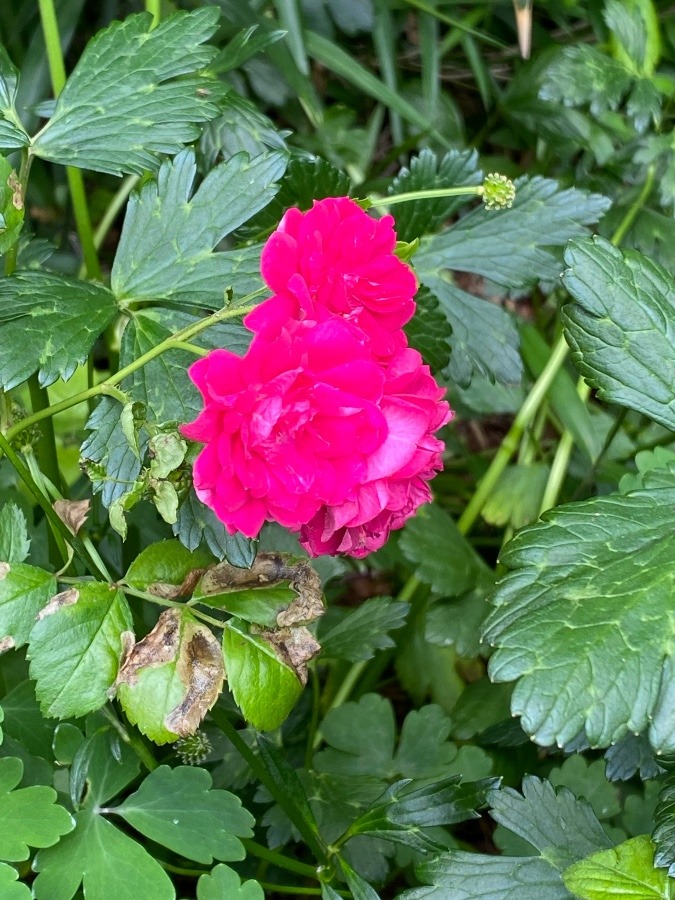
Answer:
[(9, 886), (124, 102)]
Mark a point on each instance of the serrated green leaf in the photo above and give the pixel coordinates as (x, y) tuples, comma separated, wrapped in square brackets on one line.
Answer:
[(625, 871), (516, 247), (165, 563), (99, 857), (245, 44), (25, 723), (428, 330), (587, 780), (48, 324), (442, 557), (75, 649), (458, 622), (10, 887), (581, 74), (636, 34), (166, 246), (172, 677), (620, 328), (582, 622), (630, 755), (12, 133), (24, 590), (240, 126), (124, 102), (178, 809), (197, 522), (108, 454), (364, 630), (30, 816), (664, 827), (223, 882), (264, 687), (426, 172)]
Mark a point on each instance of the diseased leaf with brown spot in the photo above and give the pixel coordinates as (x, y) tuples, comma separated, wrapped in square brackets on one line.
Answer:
[(58, 601), (24, 590), (294, 647), (172, 677), (73, 513)]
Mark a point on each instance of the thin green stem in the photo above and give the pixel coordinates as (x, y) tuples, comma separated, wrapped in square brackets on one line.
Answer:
[(562, 458), (635, 207), (172, 604), (46, 448), (431, 194), (190, 348), (133, 740), (459, 24), (111, 213), (154, 7), (57, 70), (509, 445), (104, 387), (295, 890), (278, 859)]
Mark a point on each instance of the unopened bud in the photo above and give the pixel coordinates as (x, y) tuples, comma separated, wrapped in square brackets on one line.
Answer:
[(499, 192)]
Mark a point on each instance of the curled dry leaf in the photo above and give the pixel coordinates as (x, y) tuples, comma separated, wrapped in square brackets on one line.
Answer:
[(171, 591), (179, 665), (294, 647), (73, 513), (7, 643), (58, 601)]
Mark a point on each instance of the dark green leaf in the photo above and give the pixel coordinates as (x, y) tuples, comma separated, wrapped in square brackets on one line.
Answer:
[(442, 557), (420, 217), (24, 721), (364, 630), (223, 882), (587, 780), (124, 103), (580, 620), (197, 522), (621, 327), (630, 755), (359, 887), (115, 465), (14, 540), (243, 46), (428, 330), (48, 324), (240, 126), (166, 246), (166, 564), (458, 622), (625, 871), (581, 74), (178, 809), (75, 648), (516, 247), (30, 816), (12, 133), (664, 827), (24, 590)]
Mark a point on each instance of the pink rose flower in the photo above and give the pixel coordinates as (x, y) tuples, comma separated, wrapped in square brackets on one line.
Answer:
[(396, 482), (336, 259), (289, 427)]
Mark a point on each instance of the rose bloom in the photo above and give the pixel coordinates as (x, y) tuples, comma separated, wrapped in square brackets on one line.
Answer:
[(336, 259), (310, 431)]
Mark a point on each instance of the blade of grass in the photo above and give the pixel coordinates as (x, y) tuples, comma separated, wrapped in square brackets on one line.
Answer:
[(288, 13), (429, 33), (480, 71), (459, 24), (384, 39)]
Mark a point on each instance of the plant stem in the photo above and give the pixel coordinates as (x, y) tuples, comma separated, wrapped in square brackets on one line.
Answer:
[(57, 70), (509, 445), (133, 740), (634, 208), (46, 446), (431, 194), (154, 7), (278, 859), (296, 891), (104, 386)]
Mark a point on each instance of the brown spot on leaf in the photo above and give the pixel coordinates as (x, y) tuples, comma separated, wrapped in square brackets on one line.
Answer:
[(7, 643), (73, 513), (14, 185), (295, 647), (157, 648), (172, 591), (201, 668), (4, 570), (58, 601)]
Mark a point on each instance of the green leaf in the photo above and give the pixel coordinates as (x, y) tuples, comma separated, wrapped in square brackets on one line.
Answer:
[(24, 590), (75, 648), (664, 827), (427, 331), (587, 780), (359, 887), (458, 622), (581, 620), (100, 858), (364, 630), (441, 556), (172, 677), (14, 540), (426, 172), (516, 247), (484, 336), (48, 324), (245, 44), (124, 103), (630, 755), (166, 246), (223, 882), (197, 523), (178, 809), (11, 206), (30, 816), (625, 871), (517, 496), (12, 133), (107, 455), (620, 327), (580, 74), (240, 126), (25, 723), (260, 605), (264, 687), (165, 565), (9, 886)]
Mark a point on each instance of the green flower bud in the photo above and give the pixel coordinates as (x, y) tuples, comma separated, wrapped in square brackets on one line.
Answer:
[(499, 192), (194, 748)]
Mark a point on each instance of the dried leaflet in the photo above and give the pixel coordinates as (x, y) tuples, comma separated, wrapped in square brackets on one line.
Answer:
[(65, 598), (294, 647), (73, 513)]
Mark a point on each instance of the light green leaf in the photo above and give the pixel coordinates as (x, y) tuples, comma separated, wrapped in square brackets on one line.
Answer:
[(172, 677), (178, 809), (25, 723), (30, 816), (166, 247), (14, 540), (124, 103), (582, 620), (75, 648), (260, 605), (166, 563), (622, 326), (364, 630), (48, 324), (10, 888), (626, 871), (223, 882), (264, 687), (11, 206), (24, 590), (101, 859), (587, 780), (517, 496), (442, 557)]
